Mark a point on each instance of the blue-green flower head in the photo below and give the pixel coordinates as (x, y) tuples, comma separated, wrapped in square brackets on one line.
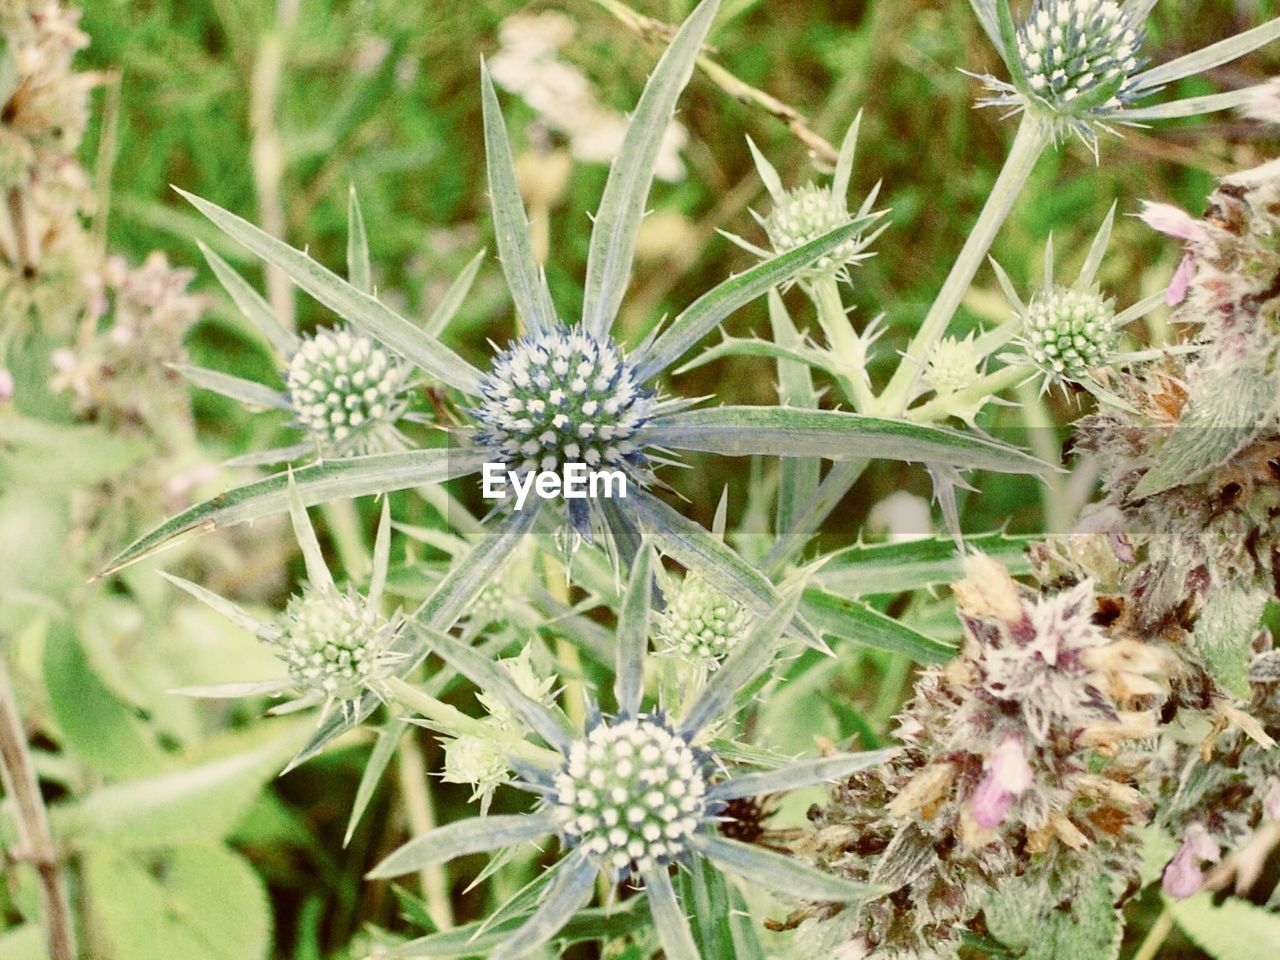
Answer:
[(333, 643), (806, 213), (343, 387), (632, 793), (562, 396), (1068, 332), (1080, 53)]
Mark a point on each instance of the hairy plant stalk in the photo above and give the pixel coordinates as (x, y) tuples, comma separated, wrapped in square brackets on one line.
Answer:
[(1029, 143), (647, 28), (415, 788), (844, 343), (35, 842)]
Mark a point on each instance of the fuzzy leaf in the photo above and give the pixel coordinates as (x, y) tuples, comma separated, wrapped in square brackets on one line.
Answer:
[(1223, 635), (1046, 923), (1220, 418)]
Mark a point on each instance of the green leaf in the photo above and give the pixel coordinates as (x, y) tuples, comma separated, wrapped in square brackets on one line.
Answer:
[(447, 308), (195, 804), (1008, 47), (669, 920), (317, 483), (793, 354), (1223, 635), (704, 896), (833, 435), (852, 621), (626, 193), (1235, 930), (244, 391), (633, 635), (359, 269), (590, 924), (866, 569), (463, 837), (1043, 922), (359, 309), (780, 874), (252, 304), (383, 750), (797, 477), (525, 279), (198, 903), (1220, 418), (705, 313)]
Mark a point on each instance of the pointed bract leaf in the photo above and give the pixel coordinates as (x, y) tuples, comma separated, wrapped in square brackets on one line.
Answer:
[(473, 835), (1192, 106), (569, 890), (447, 308), (851, 620), (362, 311), (633, 635), (251, 304), (1214, 55), (780, 874), (317, 570), (245, 391), (359, 269), (802, 773), (668, 918), (229, 610)]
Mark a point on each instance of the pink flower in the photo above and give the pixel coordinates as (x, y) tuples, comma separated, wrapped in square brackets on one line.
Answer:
[(1183, 877), (1172, 221), (6, 385), (1181, 281), (1008, 775)]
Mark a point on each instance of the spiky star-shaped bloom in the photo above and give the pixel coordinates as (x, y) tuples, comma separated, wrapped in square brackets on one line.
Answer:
[(559, 397), (335, 642), (1077, 64), (635, 791), (807, 212), (344, 389), (1068, 333)]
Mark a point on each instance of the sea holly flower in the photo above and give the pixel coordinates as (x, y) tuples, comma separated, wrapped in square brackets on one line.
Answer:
[(1069, 333), (1078, 65), (700, 625), (563, 395), (633, 792), (803, 214), (345, 390), (335, 642)]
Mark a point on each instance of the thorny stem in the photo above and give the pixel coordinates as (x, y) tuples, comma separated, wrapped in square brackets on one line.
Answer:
[(647, 28), (844, 343), (415, 788), (1032, 138), (36, 844), (267, 154), (991, 383)]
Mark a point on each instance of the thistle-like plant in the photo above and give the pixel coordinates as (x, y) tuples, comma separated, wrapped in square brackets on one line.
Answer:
[(1078, 65), (336, 643), (345, 391), (633, 793)]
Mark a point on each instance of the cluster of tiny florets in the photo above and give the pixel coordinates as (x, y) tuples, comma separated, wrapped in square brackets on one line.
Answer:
[(342, 385), (1068, 332), (632, 794), (805, 214), (563, 396), (700, 623), (331, 643), (1071, 49), (952, 365)]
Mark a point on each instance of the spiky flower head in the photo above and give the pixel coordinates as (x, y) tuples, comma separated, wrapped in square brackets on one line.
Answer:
[(333, 643), (562, 396), (806, 213), (1069, 331), (1080, 54), (479, 761), (632, 793), (701, 624), (343, 388)]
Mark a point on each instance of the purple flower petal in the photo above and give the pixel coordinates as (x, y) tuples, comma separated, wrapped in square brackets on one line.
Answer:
[(1182, 877), (1171, 221), (1181, 281), (990, 802)]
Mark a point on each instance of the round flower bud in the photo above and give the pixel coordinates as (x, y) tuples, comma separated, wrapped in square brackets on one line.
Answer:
[(330, 643), (1068, 332), (342, 387), (632, 794), (700, 623), (805, 214), (563, 396), (1074, 52), (952, 365), (478, 761)]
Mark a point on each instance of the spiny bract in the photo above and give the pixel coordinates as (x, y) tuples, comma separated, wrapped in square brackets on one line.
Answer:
[(562, 396), (633, 792)]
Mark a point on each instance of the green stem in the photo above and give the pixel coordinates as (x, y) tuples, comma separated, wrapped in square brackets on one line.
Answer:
[(846, 347), (1045, 445), (1030, 142), (415, 790), (454, 721)]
